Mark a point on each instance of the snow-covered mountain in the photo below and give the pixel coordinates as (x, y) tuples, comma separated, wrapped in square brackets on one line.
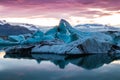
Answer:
[(30, 27), (2, 22), (8, 29), (96, 27)]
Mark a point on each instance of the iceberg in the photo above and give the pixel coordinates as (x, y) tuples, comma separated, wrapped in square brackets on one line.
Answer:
[(65, 39), (7, 43), (82, 42), (52, 31), (48, 37), (89, 45), (35, 38), (18, 38), (60, 32)]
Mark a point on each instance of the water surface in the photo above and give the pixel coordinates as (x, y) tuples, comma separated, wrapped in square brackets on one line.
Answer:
[(59, 67)]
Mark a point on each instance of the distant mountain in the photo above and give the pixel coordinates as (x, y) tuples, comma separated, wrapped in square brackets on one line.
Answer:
[(30, 27), (8, 29), (96, 27)]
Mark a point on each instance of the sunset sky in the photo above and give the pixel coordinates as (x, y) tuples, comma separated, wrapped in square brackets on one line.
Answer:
[(49, 12)]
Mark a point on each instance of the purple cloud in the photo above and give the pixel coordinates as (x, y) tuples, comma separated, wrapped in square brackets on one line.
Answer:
[(57, 8)]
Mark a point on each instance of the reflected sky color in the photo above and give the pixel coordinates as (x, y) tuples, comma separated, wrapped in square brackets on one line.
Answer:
[(29, 69), (2, 53), (49, 12), (97, 67)]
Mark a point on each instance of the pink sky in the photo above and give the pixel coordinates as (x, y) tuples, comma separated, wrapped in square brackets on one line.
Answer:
[(49, 12)]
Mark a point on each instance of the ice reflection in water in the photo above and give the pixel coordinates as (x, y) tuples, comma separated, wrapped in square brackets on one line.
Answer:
[(84, 61), (59, 67)]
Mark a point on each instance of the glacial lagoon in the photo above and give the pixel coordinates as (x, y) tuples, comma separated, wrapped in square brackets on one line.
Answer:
[(59, 67)]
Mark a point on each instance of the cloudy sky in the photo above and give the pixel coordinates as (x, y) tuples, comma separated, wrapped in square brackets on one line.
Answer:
[(49, 12)]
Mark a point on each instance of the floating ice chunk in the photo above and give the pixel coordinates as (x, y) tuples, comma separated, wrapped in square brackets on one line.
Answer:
[(62, 27), (48, 37), (32, 40), (7, 43), (52, 31), (64, 37), (18, 38), (38, 33)]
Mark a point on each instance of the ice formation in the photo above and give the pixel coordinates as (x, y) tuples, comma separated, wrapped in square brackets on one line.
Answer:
[(64, 39)]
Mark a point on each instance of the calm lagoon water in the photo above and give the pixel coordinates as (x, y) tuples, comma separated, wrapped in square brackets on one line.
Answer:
[(59, 67)]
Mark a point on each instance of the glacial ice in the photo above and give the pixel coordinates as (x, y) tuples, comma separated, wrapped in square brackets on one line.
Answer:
[(7, 43), (35, 38), (18, 38), (64, 39), (82, 42)]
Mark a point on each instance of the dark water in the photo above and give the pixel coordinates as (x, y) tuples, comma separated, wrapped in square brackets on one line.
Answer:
[(56, 67)]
